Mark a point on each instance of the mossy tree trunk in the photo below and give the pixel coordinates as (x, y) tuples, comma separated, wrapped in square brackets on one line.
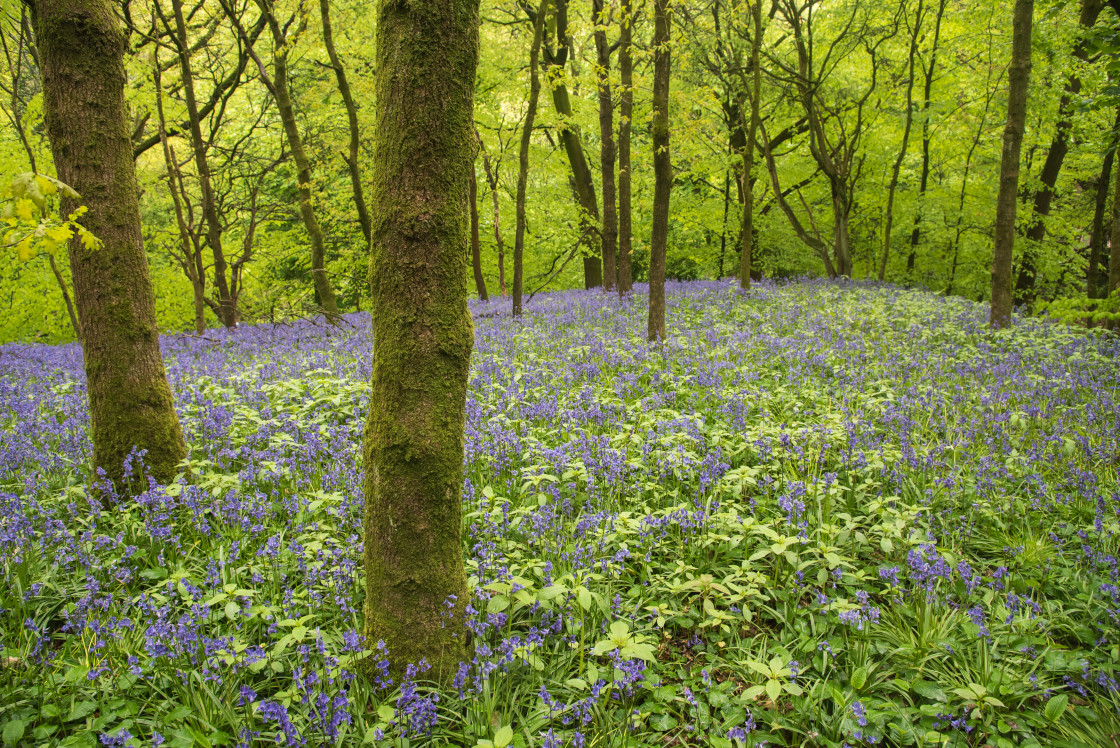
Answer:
[(1019, 81), (1114, 250), (523, 156), (662, 171), (227, 313), (81, 53), (746, 252), (609, 229), (476, 250), (416, 587), (625, 113), (324, 293)]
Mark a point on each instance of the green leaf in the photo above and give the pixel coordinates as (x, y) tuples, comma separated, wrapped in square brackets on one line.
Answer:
[(81, 710), (929, 690), (773, 689), (503, 737), (1056, 707), (859, 678), (13, 731)]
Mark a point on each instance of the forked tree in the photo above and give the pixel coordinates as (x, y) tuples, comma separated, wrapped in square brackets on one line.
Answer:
[(81, 54), (416, 586)]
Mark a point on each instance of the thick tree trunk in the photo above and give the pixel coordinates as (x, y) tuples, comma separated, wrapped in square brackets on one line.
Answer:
[(81, 54), (351, 155), (662, 171), (476, 250), (923, 184), (416, 586), (746, 254), (1019, 75), (609, 228), (1093, 284), (893, 187), (523, 155), (323, 291), (1055, 156), (625, 113), (492, 180), (227, 312)]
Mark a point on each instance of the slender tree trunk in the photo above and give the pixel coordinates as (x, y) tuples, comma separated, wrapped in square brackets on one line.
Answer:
[(1055, 156), (351, 155), (583, 182), (323, 290), (662, 171), (625, 114), (492, 180), (476, 250), (923, 184), (228, 314), (747, 249), (1019, 75), (81, 56), (66, 297), (607, 148), (1093, 285), (1114, 238), (841, 236), (523, 155), (893, 187), (416, 585)]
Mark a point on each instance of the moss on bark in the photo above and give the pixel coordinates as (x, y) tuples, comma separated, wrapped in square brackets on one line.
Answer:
[(81, 50), (416, 586)]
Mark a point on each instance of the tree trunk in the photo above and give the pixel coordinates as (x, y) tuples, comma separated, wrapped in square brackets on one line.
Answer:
[(841, 235), (662, 171), (227, 313), (583, 183), (607, 149), (81, 54), (1093, 285), (70, 311), (923, 184), (1019, 76), (625, 113), (747, 249), (323, 291), (889, 218), (523, 155), (351, 155), (492, 180), (416, 585), (1052, 167), (1114, 250), (476, 250)]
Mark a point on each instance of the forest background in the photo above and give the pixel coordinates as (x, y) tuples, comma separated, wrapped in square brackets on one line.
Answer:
[(876, 154)]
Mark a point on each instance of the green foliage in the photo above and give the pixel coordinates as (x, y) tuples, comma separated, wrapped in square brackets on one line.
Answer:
[(1081, 311), (26, 212)]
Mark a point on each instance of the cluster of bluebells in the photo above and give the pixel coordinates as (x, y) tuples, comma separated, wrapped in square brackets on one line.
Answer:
[(590, 457)]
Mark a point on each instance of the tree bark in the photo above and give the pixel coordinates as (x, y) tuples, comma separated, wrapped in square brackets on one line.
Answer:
[(1114, 251), (476, 250), (523, 155), (583, 182), (625, 114), (889, 218), (279, 85), (923, 184), (1093, 285), (492, 180), (662, 171), (81, 54), (227, 312), (416, 585), (1007, 202), (1055, 156), (747, 249), (351, 155), (609, 228)]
